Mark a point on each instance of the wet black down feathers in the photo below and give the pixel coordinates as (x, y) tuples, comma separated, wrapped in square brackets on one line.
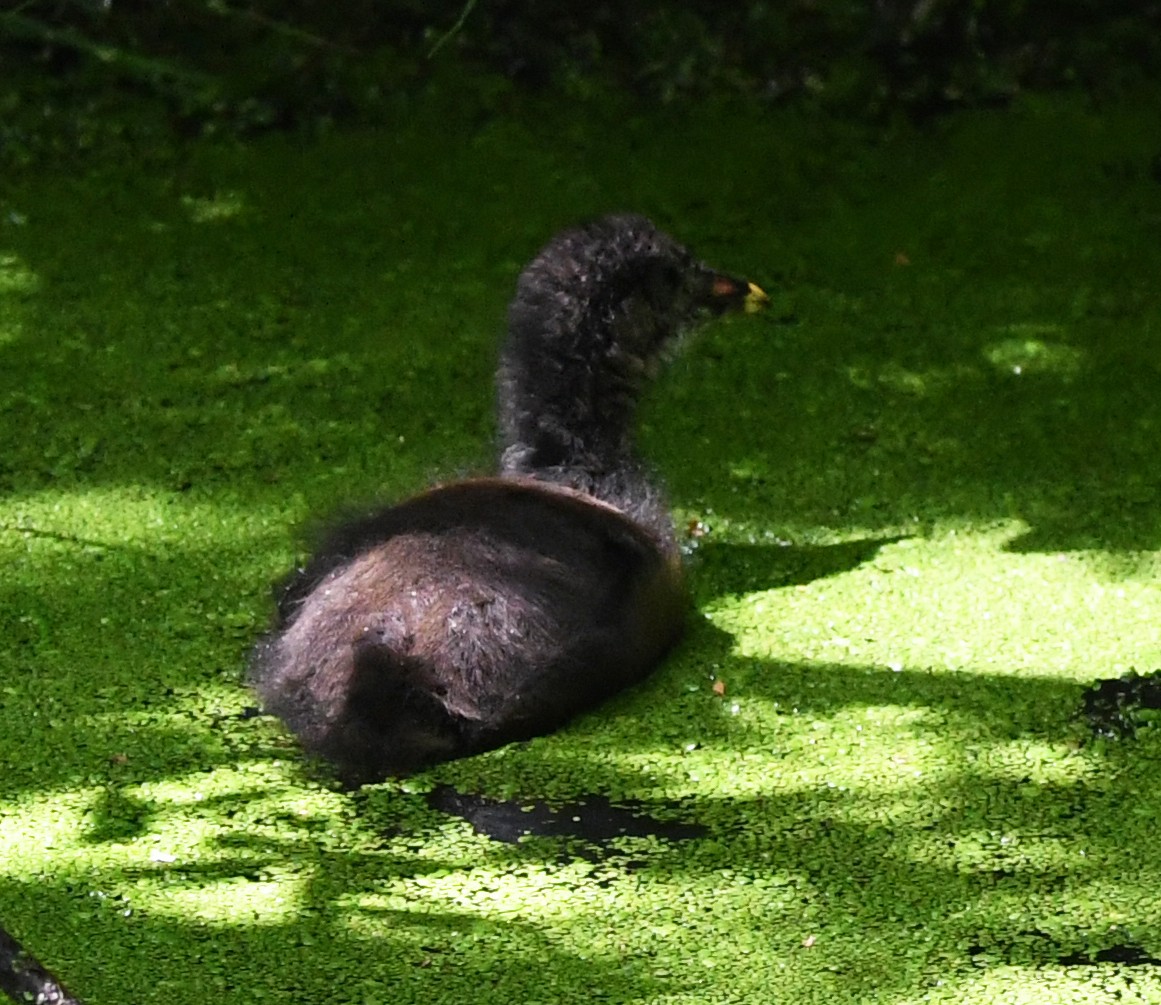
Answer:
[(495, 609)]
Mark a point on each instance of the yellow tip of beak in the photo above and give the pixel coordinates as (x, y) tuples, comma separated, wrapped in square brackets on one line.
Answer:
[(755, 300)]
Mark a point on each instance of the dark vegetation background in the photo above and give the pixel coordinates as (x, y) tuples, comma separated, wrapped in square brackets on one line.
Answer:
[(79, 74)]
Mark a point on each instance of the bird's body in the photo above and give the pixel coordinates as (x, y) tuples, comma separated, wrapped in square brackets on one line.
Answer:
[(495, 609)]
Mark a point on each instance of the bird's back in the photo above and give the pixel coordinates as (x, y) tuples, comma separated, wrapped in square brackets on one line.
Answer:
[(469, 616)]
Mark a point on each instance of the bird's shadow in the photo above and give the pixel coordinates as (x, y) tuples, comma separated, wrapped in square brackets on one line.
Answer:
[(721, 569)]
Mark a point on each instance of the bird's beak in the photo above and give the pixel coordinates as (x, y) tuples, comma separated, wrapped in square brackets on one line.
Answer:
[(755, 299), (728, 293)]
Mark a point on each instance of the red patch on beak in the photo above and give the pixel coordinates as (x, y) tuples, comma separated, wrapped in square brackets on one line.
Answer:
[(725, 287)]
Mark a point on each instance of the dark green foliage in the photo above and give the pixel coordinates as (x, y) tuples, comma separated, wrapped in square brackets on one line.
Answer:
[(79, 73)]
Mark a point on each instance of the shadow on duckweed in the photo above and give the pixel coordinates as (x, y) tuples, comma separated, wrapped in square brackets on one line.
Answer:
[(720, 568)]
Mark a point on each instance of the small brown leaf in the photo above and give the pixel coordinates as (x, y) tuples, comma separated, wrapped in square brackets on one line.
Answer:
[(719, 687)]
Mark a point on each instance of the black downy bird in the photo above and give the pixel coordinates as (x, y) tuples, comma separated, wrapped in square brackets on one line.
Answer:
[(494, 609)]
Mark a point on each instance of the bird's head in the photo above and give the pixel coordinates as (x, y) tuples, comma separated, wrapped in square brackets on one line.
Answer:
[(617, 295)]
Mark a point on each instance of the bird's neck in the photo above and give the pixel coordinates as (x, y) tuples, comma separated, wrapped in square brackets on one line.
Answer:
[(570, 416), (585, 445)]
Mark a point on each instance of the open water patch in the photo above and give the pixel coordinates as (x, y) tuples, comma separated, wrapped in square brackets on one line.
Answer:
[(594, 821), (1116, 707)]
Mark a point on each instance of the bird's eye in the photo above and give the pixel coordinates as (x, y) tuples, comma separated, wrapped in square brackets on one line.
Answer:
[(662, 282)]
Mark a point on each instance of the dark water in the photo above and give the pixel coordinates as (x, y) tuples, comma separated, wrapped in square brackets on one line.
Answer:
[(1113, 707), (593, 820)]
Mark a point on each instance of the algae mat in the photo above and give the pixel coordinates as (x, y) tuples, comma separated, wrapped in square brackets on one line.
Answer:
[(923, 494)]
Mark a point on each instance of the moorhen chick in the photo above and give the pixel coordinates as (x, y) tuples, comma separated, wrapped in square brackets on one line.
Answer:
[(495, 609)]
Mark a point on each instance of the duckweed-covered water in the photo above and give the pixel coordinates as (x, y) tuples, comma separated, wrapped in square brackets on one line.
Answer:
[(925, 495)]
